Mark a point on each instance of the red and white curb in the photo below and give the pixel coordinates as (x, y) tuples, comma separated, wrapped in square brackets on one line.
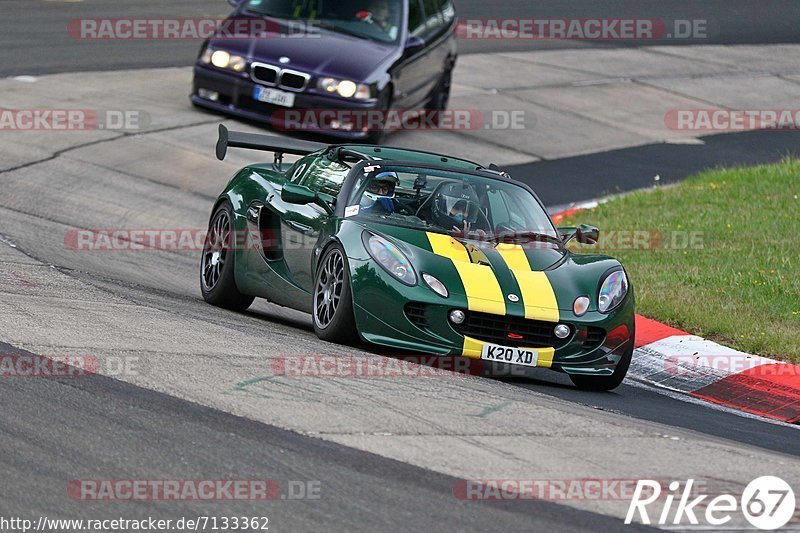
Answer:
[(673, 359), (678, 361)]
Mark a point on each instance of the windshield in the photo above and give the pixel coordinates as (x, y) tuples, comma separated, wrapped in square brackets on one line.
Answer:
[(462, 205), (378, 20)]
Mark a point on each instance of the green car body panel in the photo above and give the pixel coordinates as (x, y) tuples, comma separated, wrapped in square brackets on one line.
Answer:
[(415, 318)]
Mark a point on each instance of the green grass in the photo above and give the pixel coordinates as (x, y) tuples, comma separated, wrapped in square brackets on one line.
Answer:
[(740, 283)]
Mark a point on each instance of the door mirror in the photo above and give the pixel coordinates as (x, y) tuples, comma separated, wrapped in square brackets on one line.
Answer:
[(584, 234), (414, 44), (297, 194), (293, 193)]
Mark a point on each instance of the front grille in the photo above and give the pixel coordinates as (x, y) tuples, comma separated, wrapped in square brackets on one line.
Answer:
[(293, 80), (265, 74), (594, 338), (415, 312), (496, 329)]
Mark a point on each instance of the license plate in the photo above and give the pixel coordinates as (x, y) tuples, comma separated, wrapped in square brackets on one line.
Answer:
[(513, 356), (273, 96)]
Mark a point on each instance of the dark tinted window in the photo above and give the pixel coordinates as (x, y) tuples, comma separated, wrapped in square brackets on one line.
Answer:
[(433, 18), (416, 21), (448, 11)]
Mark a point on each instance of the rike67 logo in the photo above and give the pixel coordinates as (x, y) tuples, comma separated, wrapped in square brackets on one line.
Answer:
[(767, 503)]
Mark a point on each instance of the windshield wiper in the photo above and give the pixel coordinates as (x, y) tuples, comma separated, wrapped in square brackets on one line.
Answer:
[(517, 237)]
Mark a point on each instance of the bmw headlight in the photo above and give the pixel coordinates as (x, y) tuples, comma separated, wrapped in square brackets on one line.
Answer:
[(612, 291), (223, 59), (344, 88), (390, 258)]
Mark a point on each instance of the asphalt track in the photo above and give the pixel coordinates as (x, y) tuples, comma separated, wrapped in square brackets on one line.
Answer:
[(103, 427), (34, 39), (106, 425)]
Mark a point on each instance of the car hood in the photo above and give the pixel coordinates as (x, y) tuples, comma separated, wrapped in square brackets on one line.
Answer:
[(540, 280), (322, 53)]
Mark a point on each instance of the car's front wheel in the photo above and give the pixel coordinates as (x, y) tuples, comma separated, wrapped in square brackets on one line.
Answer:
[(217, 281), (333, 300), (606, 383)]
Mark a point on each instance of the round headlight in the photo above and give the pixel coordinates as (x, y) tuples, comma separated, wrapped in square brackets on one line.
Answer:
[(347, 88), (457, 316), (580, 305), (435, 285), (220, 59), (390, 258), (612, 291)]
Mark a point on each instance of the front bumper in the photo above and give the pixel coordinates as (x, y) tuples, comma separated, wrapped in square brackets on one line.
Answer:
[(577, 354), (235, 97)]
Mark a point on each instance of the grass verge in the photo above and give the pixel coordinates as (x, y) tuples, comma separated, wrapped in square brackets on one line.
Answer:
[(717, 255)]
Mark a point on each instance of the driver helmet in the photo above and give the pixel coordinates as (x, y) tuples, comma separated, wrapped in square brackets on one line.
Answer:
[(380, 192), (454, 204)]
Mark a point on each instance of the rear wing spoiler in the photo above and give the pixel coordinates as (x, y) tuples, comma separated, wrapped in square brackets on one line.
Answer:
[(266, 143)]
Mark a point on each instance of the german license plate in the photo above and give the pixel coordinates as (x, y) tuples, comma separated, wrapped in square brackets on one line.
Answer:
[(273, 96), (513, 356)]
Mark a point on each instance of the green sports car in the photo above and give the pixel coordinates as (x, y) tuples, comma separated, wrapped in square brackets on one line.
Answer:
[(416, 251)]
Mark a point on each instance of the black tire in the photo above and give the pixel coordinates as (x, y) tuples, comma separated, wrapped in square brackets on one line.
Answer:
[(440, 98), (332, 311), (384, 105), (441, 95), (606, 383), (217, 281)]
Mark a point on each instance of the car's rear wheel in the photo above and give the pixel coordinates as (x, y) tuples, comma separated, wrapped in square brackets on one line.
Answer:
[(440, 98), (217, 281), (333, 301), (441, 95), (377, 136), (606, 383)]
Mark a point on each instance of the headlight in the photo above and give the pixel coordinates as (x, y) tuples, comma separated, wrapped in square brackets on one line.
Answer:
[(390, 258), (223, 59), (612, 291), (344, 88), (435, 285)]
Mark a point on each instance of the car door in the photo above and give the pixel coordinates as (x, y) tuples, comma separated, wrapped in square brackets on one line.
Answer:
[(410, 72), (301, 224), (430, 22)]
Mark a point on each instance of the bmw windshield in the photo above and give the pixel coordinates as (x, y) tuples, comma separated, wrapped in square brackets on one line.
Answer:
[(378, 20), (463, 205)]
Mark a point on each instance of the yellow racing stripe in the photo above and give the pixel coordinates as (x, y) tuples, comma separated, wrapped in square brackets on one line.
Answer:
[(537, 292), (483, 290)]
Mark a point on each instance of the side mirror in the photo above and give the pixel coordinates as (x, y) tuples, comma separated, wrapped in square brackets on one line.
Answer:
[(414, 44), (293, 193), (235, 3), (297, 194), (584, 234)]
